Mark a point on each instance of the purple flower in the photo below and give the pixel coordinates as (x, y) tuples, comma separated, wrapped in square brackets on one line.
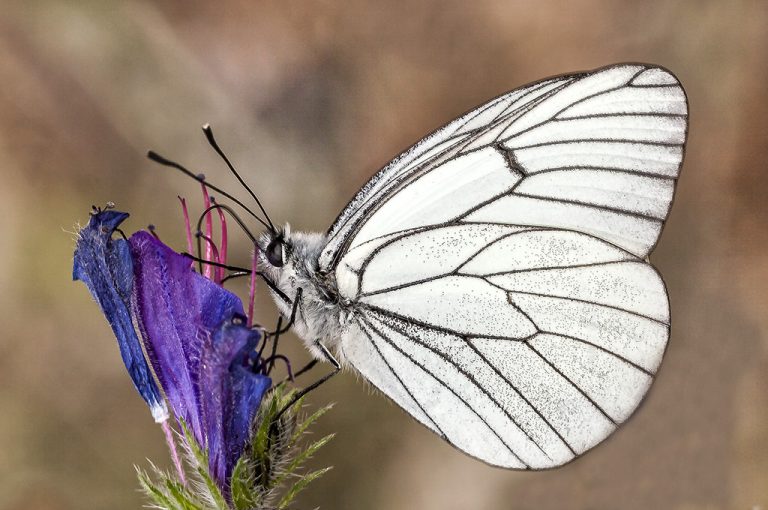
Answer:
[(195, 335), (193, 330)]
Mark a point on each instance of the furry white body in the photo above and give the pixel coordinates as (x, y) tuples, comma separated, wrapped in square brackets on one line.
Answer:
[(321, 314)]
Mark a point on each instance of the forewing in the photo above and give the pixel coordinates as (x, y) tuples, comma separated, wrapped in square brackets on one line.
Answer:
[(430, 152), (524, 352), (595, 152)]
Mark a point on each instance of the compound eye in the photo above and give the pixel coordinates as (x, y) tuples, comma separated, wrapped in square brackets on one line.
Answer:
[(275, 252)]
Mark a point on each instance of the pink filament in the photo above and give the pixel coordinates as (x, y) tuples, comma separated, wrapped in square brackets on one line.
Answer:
[(174, 454), (187, 226), (252, 286), (208, 232), (223, 252), (209, 244)]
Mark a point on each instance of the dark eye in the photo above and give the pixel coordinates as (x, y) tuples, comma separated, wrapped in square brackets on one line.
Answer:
[(275, 252)]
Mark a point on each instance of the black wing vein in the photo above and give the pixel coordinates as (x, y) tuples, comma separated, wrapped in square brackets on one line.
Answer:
[(577, 300), (600, 348), (520, 394), (568, 379), (400, 380), (448, 387)]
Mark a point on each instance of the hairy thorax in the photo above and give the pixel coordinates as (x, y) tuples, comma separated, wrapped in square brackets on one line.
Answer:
[(320, 314)]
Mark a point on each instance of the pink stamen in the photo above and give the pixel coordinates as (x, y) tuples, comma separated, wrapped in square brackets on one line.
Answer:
[(208, 232), (174, 453), (209, 244), (252, 286), (187, 225), (223, 252)]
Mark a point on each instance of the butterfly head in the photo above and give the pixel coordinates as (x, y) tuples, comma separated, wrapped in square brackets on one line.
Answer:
[(275, 252), (289, 260), (277, 260)]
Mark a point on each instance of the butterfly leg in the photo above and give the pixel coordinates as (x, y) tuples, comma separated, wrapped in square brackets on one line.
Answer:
[(292, 318), (306, 368), (280, 330), (336, 369)]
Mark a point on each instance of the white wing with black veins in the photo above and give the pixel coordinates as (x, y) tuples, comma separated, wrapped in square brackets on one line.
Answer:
[(497, 269)]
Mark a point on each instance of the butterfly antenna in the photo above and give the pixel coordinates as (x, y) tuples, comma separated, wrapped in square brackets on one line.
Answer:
[(157, 158), (211, 140), (238, 220)]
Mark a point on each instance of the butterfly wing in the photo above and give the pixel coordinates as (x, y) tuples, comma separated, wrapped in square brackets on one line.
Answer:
[(430, 152), (497, 274), (591, 148)]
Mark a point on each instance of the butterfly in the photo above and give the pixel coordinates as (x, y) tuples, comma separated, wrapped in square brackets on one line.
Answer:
[(493, 280)]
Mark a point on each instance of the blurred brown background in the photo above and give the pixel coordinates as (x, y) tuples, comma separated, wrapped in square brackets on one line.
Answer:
[(310, 99)]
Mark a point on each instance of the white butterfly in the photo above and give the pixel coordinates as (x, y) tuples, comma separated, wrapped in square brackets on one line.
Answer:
[(493, 279)]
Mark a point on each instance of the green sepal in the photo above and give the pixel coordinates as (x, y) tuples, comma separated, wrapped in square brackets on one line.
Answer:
[(300, 485), (259, 480)]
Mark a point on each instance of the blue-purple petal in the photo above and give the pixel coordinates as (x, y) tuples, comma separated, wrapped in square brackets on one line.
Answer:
[(104, 265), (248, 388), (233, 394)]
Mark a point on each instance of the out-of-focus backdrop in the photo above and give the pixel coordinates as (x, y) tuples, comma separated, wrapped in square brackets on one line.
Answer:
[(310, 99)]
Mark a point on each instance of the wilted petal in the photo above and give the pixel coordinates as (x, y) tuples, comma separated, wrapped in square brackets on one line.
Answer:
[(104, 265)]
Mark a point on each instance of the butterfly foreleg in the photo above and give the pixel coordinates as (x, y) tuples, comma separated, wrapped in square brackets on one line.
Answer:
[(278, 331), (330, 359), (306, 368)]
